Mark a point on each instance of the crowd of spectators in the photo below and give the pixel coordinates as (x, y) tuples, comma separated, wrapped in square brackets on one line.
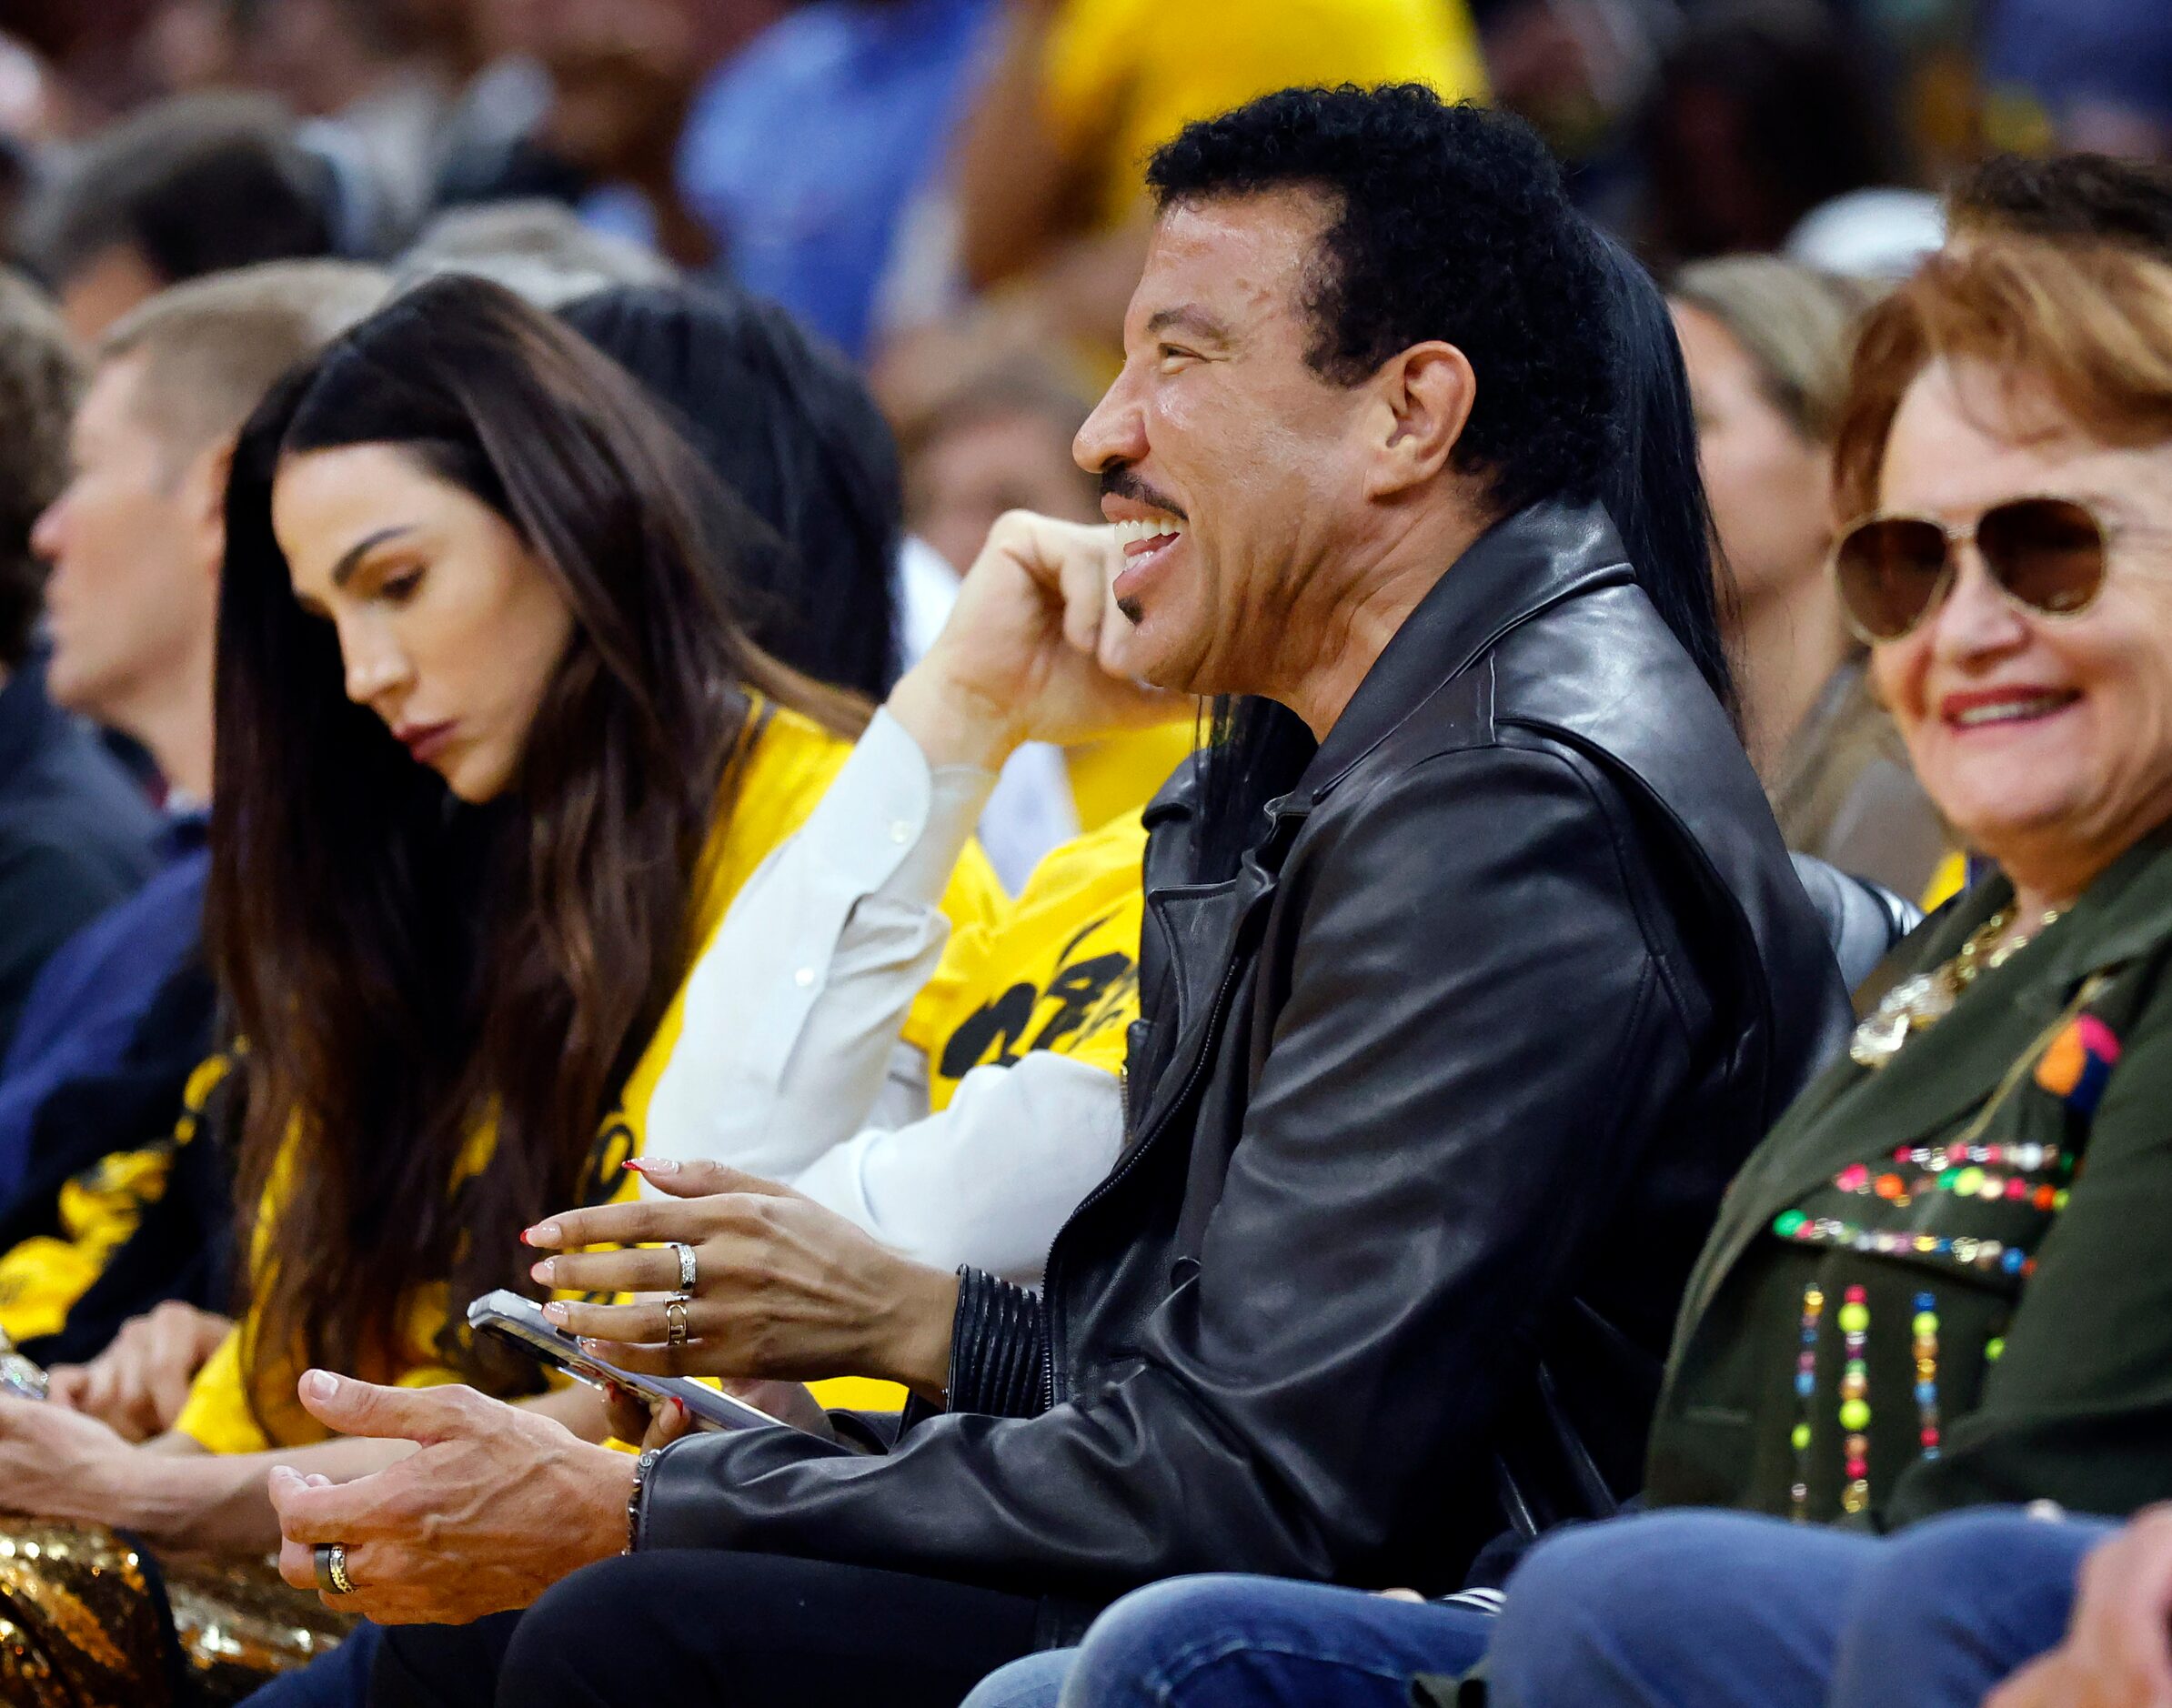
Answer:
[(1257, 851)]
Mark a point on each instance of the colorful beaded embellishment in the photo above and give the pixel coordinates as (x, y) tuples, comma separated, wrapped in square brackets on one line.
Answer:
[(1855, 1401), (1826, 1230), (1926, 1326), (1806, 1391)]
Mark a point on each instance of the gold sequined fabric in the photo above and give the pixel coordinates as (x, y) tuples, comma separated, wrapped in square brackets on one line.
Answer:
[(239, 1624), (81, 1624)]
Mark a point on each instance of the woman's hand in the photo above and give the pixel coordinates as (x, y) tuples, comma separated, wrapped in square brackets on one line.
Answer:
[(58, 1464), (138, 1384), (783, 1289)]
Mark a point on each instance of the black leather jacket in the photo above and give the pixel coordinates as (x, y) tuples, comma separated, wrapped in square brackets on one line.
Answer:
[(1434, 1104)]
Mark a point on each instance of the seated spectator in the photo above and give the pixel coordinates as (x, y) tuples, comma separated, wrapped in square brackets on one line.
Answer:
[(536, 248), (77, 834), (473, 634), (2068, 198), (1767, 345), (1286, 1640), (194, 185), (1918, 1299), (1320, 500), (122, 1015), (1050, 197), (1001, 441), (369, 77), (2096, 76), (802, 149), (2007, 1384), (1762, 112)]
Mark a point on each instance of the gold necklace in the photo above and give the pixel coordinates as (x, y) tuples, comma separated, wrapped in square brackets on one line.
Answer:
[(1918, 1003)]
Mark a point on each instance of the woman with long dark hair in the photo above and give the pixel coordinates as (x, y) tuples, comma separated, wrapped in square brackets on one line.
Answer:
[(494, 756)]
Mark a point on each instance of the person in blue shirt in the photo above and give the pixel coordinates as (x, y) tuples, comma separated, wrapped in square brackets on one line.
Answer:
[(803, 151), (75, 832)]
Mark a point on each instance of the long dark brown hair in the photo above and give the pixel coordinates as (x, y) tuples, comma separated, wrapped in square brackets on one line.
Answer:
[(408, 968)]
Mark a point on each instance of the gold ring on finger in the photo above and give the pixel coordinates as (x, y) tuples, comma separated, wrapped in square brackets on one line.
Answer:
[(330, 1560), (675, 1321), (687, 1267)]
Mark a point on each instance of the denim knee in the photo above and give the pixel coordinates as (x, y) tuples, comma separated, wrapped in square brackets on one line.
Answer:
[(1954, 1604), (1961, 1553), (1624, 1612), (1139, 1642)]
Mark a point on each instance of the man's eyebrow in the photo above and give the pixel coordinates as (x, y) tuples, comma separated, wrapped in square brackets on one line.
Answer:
[(352, 556), (1187, 318)]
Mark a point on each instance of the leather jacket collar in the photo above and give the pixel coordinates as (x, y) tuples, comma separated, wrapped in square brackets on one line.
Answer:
[(1518, 568)]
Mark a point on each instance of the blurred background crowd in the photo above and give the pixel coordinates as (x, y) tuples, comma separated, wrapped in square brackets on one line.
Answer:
[(949, 191), (884, 168)]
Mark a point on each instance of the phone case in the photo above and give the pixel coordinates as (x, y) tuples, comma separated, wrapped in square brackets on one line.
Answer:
[(518, 1320)]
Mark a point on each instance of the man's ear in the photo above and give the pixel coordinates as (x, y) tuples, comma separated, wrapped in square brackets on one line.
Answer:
[(1425, 396), (204, 498)]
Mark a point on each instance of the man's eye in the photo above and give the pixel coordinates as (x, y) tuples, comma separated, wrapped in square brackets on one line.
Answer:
[(1174, 353)]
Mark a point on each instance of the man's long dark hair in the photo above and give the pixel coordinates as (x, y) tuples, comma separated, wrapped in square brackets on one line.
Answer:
[(406, 968), (1652, 487)]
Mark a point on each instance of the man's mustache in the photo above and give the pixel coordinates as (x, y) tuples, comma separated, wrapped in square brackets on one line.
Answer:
[(1118, 481)]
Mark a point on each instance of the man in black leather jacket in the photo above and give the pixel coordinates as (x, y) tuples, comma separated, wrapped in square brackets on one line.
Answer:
[(1465, 998)]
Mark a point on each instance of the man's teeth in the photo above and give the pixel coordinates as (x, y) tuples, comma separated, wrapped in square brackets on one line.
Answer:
[(2010, 711), (1139, 533)]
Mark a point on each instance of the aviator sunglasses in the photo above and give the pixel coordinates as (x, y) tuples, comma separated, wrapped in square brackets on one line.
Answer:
[(1893, 571)]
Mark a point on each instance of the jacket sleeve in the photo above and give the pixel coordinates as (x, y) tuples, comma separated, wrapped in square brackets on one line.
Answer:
[(1434, 1128), (999, 1349), (2078, 1407)]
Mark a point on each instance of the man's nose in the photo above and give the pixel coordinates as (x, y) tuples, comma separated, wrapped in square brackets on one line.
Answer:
[(1115, 432)]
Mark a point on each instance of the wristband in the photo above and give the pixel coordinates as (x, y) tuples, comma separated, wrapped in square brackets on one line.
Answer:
[(643, 1465)]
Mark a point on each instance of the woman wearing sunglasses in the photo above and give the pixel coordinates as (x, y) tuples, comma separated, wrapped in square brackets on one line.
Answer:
[(1939, 1283)]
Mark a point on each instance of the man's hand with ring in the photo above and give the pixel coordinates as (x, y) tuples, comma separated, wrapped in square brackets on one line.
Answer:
[(784, 1289), (497, 1505)]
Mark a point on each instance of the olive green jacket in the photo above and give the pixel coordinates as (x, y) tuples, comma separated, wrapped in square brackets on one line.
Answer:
[(2078, 1405), (2052, 1338)]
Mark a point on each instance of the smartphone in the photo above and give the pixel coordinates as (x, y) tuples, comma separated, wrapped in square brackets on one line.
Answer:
[(18, 1376), (511, 1317)]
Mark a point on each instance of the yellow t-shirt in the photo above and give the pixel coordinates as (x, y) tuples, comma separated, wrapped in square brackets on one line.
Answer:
[(1120, 77), (1116, 776), (788, 765), (1058, 970)]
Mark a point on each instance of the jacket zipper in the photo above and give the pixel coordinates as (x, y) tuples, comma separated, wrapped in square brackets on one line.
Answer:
[(1230, 974)]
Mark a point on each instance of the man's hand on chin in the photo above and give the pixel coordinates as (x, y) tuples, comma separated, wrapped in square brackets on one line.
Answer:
[(496, 1506)]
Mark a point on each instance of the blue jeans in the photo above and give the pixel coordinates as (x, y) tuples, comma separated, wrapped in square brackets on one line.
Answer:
[(1218, 1642), (1727, 1610), (337, 1680)]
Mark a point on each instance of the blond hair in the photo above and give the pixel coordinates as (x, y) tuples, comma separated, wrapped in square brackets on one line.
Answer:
[(1797, 325), (2085, 328), (211, 348)]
